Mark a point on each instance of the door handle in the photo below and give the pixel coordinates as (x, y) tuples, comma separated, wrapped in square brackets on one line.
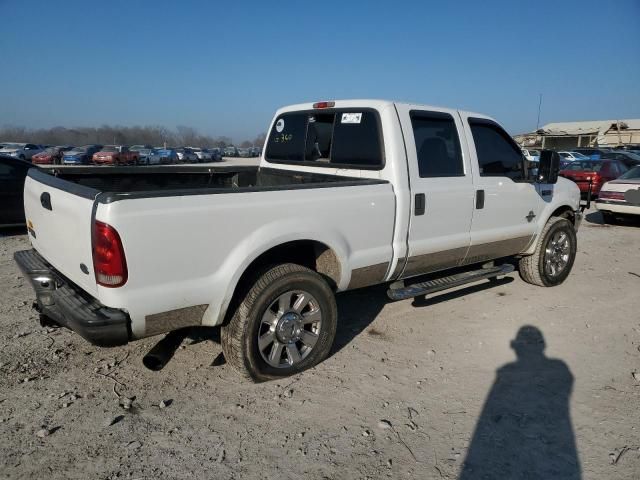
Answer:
[(479, 199), (420, 204)]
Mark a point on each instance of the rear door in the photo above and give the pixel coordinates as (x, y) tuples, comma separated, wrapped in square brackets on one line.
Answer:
[(59, 217), (506, 203), (441, 188)]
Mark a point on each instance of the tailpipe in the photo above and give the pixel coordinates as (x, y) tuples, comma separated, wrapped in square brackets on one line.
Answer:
[(158, 357)]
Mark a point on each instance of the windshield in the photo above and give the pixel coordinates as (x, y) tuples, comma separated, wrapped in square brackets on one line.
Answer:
[(579, 156), (12, 145), (110, 148), (564, 154), (633, 174), (145, 151)]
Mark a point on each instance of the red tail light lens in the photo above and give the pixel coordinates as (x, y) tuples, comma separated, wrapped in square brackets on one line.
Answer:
[(109, 263), (605, 195)]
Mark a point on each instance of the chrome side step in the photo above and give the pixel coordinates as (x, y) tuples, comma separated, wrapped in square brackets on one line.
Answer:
[(450, 281)]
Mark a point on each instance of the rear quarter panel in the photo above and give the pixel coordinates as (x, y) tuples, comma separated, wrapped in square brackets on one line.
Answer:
[(184, 251)]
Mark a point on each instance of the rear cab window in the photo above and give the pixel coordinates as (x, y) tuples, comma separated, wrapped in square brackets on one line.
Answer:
[(337, 138)]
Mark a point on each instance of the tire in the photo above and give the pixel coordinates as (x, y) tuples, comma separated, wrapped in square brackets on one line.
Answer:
[(310, 329), (551, 262)]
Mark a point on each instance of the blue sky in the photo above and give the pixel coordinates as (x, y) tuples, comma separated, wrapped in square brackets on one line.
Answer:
[(224, 67)]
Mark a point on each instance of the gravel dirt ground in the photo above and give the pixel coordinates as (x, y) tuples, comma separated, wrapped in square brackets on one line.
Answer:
[(413, 389)]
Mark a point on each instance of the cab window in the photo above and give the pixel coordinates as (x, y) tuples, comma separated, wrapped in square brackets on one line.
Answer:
[(437, 144), (338, 138), (498, 155)]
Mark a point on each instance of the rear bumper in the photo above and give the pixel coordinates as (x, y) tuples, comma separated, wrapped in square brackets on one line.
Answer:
[(618, 207), (70, 306)]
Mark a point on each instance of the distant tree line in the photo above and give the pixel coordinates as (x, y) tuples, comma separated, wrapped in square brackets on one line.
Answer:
[(117, 135)]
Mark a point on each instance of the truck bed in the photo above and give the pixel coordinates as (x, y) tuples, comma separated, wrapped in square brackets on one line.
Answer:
[(189, 232), (116, 183)]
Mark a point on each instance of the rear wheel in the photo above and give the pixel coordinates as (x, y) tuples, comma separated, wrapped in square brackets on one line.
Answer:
[(553, 258), (284, 324)]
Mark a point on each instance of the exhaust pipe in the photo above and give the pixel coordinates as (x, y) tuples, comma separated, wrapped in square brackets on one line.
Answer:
[(163, 351)]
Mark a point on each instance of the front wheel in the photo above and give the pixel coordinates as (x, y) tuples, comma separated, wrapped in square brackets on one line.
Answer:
[(553, 258), (284, 324)]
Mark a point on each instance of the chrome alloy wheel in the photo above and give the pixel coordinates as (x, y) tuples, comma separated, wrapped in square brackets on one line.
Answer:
[(556, 255), (289, 329)]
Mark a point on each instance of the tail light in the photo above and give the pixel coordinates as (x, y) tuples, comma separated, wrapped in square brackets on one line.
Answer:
[(109, 263), (324, 104), (606, 195)]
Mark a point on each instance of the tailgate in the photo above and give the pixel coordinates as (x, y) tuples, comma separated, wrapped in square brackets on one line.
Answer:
[(59, 217)]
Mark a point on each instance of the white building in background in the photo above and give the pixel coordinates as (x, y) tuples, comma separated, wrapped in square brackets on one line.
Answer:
[(566, 135)]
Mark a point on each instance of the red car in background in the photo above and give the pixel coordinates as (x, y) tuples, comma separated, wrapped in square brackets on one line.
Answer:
[(115, 155), (596, 172), (51, 155)]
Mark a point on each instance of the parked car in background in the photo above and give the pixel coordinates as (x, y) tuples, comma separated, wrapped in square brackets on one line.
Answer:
[(244, 153), (115, 155), (216, 154), (143, 155), (630, 159), (203, 154), (137, 148), (571, 156), (531, 155), (592, 153), (255, 151), (23, 151), (620, 197), (230, 151), (163, 156), (51, 155), (596, 172), (80, 155), (13, 171), (186, 155)]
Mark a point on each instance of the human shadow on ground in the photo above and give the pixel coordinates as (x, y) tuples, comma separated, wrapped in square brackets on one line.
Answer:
[(525, 430)]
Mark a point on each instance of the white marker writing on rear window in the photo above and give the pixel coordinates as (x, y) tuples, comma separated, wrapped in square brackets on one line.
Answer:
[(351, 117), (280, 125)]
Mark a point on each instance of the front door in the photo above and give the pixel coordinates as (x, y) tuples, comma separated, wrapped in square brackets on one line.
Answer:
[(507, 203), (441, 189)]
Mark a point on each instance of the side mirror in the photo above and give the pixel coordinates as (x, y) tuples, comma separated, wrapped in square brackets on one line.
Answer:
[(549, 167)]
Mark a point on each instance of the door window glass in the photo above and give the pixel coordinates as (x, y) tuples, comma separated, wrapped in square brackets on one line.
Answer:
[(498, 155), (437, 144)]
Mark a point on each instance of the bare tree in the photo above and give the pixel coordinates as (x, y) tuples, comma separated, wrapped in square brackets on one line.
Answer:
[(260, 139), (155, 135)]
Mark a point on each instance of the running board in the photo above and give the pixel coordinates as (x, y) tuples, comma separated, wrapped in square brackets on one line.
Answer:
[(451, 281)]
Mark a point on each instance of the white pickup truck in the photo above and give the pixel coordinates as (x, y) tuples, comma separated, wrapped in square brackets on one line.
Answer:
[(347, 194)]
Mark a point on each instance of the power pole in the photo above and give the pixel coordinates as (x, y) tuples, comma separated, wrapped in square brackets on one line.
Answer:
[(539, 108)]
